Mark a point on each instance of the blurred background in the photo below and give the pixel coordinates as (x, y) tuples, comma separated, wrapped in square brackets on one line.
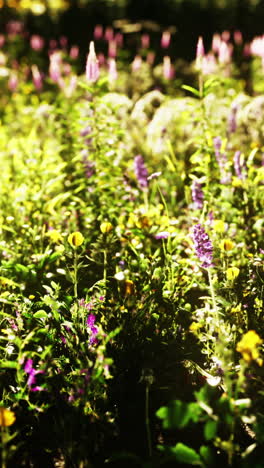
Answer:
[(186, 19)]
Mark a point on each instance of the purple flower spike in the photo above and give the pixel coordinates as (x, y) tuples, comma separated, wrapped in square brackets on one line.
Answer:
[(92, 329), (238, 165), (90, 320), (92, 66), (28, 366), (29, 369), (141, 171), (197, 194), (203, 246), (232, 119)]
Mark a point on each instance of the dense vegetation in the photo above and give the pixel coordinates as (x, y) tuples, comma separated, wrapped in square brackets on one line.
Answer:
[(131, 244)]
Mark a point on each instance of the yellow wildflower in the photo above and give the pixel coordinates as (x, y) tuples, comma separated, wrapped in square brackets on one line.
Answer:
[(7, 417), (219, 225), (236, 182), (236, 309), (106, 227), (75, 239), (226, 244), (232, 273), (194, 327), (54, 236), (248, 347), (129, 287)]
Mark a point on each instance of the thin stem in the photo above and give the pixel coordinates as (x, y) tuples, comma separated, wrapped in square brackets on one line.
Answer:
[(147, 422), (145, 196), (105, 268), (215, 308), (4, 454), (75, 272)]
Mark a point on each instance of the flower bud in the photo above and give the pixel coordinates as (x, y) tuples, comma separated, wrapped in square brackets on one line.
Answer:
[(106, 227), (75, 239)]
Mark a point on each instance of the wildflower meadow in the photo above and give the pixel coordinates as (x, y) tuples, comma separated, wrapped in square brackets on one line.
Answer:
[(131, 252)]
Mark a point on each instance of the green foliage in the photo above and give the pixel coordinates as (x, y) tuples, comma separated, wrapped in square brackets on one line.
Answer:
[(107, 309)]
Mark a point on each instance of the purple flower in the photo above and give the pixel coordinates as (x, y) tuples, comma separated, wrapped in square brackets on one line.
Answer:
[(232, 119), (90, 320), (237, 165), (141, 171), (29, 369), (86, 131), (92, 329), (222, 160), (203, 246), (162, 235), (89, 166), (197, 194)]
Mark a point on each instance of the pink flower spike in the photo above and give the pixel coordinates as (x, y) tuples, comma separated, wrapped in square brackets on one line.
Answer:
[(112, 49), (150, 57), (145, 41), (12, 82), (119, 39), (136, 64), (167, 68), (199, 53), (37, 78), (98, 31), (238, 38), (36, 42), (165, 39), (112, 70), (74, 52), (92, 66), (2, 40), (109, 33)]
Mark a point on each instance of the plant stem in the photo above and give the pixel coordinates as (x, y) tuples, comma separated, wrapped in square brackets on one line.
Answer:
[(147, 422), (75, 271), (215, 308), (3, 440), (105, 268)]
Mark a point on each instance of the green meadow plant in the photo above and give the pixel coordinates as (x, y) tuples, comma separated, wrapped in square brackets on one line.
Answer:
[(131, 264)]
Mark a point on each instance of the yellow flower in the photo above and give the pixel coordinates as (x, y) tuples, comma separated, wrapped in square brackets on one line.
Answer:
[(248, 347), (232, 273), (236, 309), (219, 225), (54, 235), (226, 244), (75, 239), (194, 327), (7, 417), (106, 227), (31, 297), (236, 182), (129, 287)]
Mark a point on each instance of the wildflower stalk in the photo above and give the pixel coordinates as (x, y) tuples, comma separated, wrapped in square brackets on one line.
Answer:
[(215, 308), (75, 274), (147, 420), (3, 446), (105, 269)]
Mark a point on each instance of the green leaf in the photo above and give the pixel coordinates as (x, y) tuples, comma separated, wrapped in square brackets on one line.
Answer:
[(185, 454), (41, 314), (191, 89), (8, 365), (207, 455), (176, 415), (210, 429)]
